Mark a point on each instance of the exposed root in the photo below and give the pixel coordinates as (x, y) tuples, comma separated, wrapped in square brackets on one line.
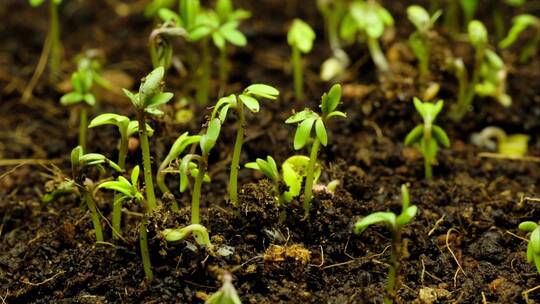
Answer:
[(454, 256)]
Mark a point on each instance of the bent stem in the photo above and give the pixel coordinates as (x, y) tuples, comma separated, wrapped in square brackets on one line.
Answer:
[(235, 163), (93, 214), (196, 195), (204, 83), (376, 54), (145, 254), (297, 73), (83, 122), (308, 190), (54, 32), (147, 165)]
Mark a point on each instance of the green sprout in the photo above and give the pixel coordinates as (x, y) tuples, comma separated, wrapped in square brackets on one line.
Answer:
[(199, 232), (419, 41), (206, 143), (428, 136), (128, 191), (89, 60), (226, 294), (512, 146), (81, 82), (368, 21), (395, 224), (300, 38), (147, 100), (52, 46), (294, 170), (489, 74), (248, 99), (333, 11), (308, 120), (519, 24), (79, 162), (533, 247)]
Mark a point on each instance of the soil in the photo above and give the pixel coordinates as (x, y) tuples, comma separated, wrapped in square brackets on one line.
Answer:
[(463, 246)]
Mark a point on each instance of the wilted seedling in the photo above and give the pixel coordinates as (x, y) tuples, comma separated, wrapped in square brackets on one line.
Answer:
[(293, 172), (533, 247), (127, 191), (494, 138), (300, 38), (395, 224), (368, 21), (428, 136), (419, 41), (80, 161), (191, 162), (308, 120), (147, 100), (249, 99), (52, 44), (519, 25), (198, 231), (226, 294)]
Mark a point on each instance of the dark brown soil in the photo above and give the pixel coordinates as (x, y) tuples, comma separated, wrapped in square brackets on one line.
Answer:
[(463, 247)]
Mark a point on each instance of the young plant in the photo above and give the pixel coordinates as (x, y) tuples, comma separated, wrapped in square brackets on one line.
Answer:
[(90, 61), (508, 145), (489, 74), (300, 38), (128, 191), (293, 172), (147, 100), (395, 224), (368, 21), (333, 11), (308, 120), (52, 47), (199, 232), (188, 165), (226, 294), (79, 162), (248, 99), (533, 247), (519, 24), (419, 41), (81, 82), (428, 136)]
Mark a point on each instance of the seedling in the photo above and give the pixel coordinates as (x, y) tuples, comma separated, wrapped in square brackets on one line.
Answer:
[(428, 136), (89, 60), (520, 24), (147, 100), (489, 74), (128, 191), (419, 41), (533, 247), (308, 120), (294, 170), (368, 21), (249, 99), (80, 161), (81, 82), (226, 294), (300, 38), (187, 166), (333, 11), (52, 47), (199, 232), (494, 138), (395, 224)]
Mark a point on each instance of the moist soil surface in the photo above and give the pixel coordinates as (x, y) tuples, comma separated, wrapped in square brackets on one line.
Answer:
[(462, 247)]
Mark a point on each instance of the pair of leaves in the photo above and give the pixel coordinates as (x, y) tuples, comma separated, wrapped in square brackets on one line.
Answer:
[(267, 167), (199, 232), (417, 135), (533, 247), (128, 189), (330, 100), (150, 95), (301, 36), (421, 19), (249, 98), (81, 81), (125, 126), (428, 110), (294, 170), (371, 18), (80, 160)]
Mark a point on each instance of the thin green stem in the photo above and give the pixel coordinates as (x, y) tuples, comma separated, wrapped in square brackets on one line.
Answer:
[(428, 172), (204, 83), (235, 163), (297, 73), (308, 190), (117, 215), (147, 165), (145, 254), (393, 270), (223, 68), (467, 90), (93, 214), (196, 195), (54, 32), (83, 125), (376, 54), (122, 152)]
